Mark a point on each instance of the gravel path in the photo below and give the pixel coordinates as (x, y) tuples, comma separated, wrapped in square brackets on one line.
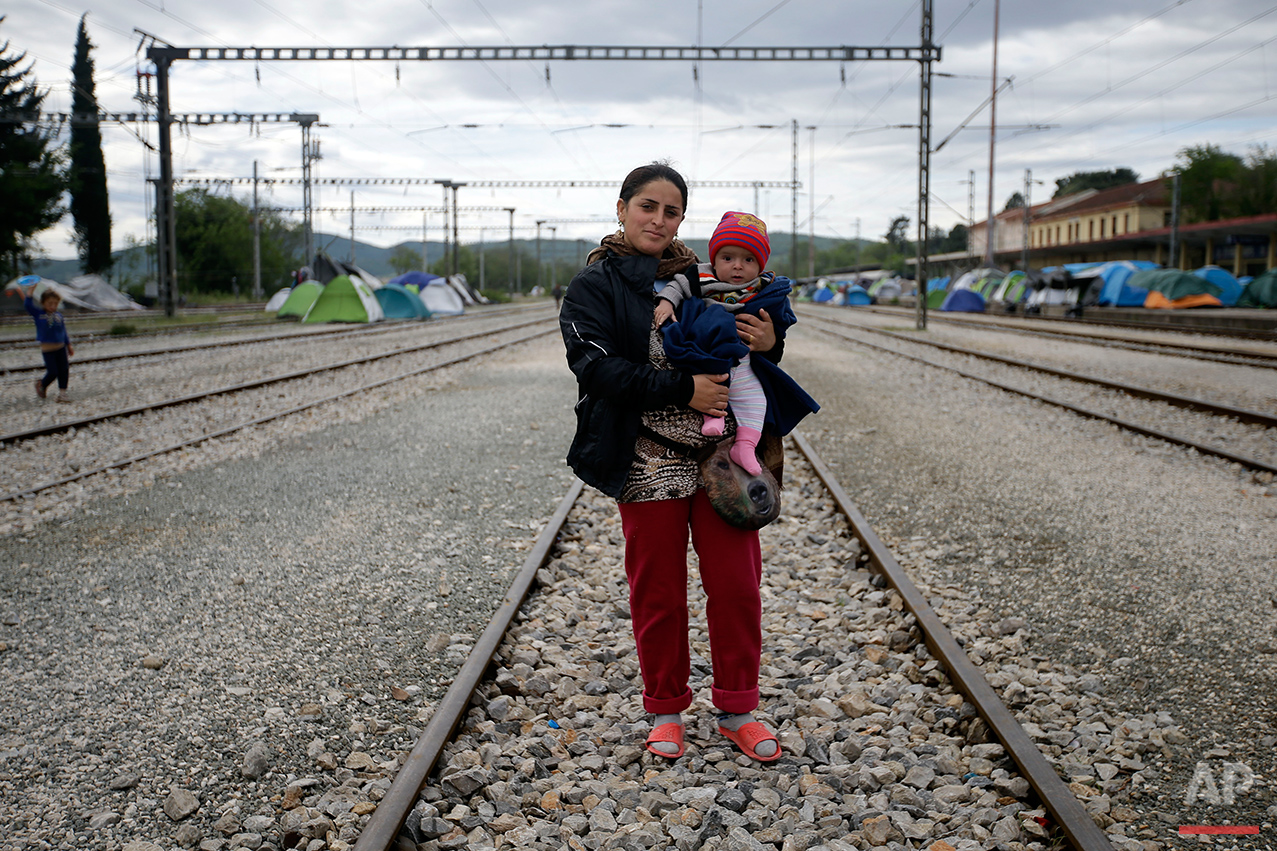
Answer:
[(184, 645), (1145, 566)]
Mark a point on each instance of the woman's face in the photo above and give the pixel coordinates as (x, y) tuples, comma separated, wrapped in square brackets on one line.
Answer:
[(652, 217)]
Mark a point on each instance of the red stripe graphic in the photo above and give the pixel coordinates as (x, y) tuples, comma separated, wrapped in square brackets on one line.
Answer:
[(1218, 829)]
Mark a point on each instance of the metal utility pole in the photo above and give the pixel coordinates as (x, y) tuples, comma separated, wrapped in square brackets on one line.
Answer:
[(924, 164), (481, 269), (257, 240), (793, 205), (541, 222), (970, 215), (310, 154), (1028, 204), (811, 206), (446, 247), (510, 269), (1173, 262), (352, 227), (456, 244), (166, 224), (857, 255), (554, 255), (993, 134), (425, 246)]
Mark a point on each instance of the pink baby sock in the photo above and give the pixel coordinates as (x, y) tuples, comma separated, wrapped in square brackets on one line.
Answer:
[(713, 426), (744, 449)]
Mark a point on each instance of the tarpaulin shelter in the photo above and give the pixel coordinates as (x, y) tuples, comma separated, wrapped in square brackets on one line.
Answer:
[(1229, 288), (963, 301), (415, 279), (1107, 284), (1173, 288), (1261, 291), (399, 302), (86, 292), (441, 299), (345, 299), (299, 300)]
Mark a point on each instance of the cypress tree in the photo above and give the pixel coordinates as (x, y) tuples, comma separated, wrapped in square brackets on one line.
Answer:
[(87, 177), (31, 181)]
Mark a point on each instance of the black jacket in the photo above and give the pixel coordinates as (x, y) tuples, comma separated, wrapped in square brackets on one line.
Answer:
[(606, 320)]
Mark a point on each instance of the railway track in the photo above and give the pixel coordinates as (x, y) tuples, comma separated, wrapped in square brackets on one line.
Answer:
[(389, 825), (1019, 325), (289, 333), (837, 327), (85, 466)]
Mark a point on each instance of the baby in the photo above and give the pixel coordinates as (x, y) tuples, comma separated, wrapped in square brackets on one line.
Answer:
[(732, 279)]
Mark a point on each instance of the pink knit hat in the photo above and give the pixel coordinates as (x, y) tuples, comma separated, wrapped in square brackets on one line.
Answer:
[(744, 231)]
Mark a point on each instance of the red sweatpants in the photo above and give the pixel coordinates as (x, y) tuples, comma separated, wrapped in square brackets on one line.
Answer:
[(731, 566)]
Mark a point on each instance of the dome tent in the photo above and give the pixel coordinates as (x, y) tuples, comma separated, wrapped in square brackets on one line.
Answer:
[(963, 301), (277, 300), (441, 299), (345, 299), (399, 302), (1261, 291), (299, 300)]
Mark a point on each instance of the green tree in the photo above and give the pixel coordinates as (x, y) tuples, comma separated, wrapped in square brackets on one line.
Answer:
[(897, 235), (956, 239), (215, 243), (1257, 190), (1208, 182), (404, 259), (1015, 202), (86, 178), (31, 179), (1080, 181)]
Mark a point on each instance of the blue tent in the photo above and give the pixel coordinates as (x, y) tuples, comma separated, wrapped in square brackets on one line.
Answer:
[(417, 279), (822, 294), (399, 302), (857, 295), (934, 284), (1229, 289), (1115, 292), (963, 301)]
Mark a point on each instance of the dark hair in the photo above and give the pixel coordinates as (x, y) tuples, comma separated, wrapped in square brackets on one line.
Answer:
[(645, 174)]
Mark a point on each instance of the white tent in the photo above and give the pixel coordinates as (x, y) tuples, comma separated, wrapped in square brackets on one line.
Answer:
[(87, 292), (278, 299), (441, 299)]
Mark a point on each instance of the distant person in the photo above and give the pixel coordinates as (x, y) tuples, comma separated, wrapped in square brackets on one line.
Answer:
[(55, 343), (557, 292), (734, 283)]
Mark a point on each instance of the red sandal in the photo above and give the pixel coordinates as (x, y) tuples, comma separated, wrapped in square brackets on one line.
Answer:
[(749, 736), (671, 732)]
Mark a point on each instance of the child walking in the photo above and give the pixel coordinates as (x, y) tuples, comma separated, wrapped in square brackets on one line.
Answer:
[(735, 281), (55, 344)]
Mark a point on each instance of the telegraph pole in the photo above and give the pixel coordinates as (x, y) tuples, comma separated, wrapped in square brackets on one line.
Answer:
[(541, 222), (166, 225), (257, 240), (793, 204), (456, 244), (924, 164), (993, 133), (811, 207), (1173, 262), (352, 227), (510, 269)]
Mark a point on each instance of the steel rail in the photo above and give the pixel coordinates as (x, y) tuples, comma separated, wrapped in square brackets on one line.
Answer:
[(389, 327), (1063, 806), (1203, 448), (264, 419), (384, 825), (382, 830), (996, 319), (1191, 403), (67, 425)]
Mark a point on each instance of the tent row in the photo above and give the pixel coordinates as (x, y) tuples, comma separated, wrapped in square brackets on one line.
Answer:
[(1120, 283), (333, 291)]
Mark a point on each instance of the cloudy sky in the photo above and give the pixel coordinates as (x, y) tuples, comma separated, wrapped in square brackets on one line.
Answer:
[(1094, 85)]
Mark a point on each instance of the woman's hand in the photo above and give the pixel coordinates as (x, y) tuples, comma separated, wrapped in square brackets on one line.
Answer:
[(757, 332), (710, 396)]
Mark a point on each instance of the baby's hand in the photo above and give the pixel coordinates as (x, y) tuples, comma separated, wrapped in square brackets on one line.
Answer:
[(664, 312)]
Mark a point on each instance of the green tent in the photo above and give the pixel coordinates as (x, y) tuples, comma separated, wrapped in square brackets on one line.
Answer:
[(345, 299), (935, 298), (302, 297), (1173, 283), (1261, 292)]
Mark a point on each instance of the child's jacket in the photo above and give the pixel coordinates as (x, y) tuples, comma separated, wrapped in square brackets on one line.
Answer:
[(49, 327)]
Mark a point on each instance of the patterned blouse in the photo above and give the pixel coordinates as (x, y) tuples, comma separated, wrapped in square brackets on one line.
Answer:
[(659, 472)]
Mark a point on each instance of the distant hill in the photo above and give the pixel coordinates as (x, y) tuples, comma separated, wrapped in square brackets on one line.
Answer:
[(375, 259)]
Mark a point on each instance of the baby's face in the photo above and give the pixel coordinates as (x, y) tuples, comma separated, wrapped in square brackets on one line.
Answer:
[(735, 265)]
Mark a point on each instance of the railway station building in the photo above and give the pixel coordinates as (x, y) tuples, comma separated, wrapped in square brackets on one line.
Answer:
[(1131, 222)]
